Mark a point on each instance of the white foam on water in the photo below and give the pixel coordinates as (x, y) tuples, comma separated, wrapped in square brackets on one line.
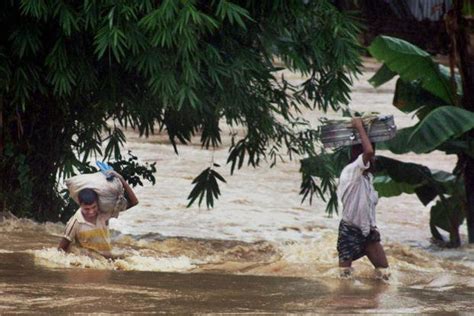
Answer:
[(18, 225), (140, 263), (52, 258), (320, 251)]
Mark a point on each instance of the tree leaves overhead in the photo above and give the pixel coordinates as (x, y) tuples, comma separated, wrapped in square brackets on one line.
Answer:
[(319, 174), (233, 13), (414, 64), (205, 185), (71, 68)]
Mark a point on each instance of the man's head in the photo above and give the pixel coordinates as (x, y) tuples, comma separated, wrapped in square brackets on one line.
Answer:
[(357, 150), (88, 200)]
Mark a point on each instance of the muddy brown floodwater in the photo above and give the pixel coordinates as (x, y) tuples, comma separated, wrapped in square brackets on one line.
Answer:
[(258, 250)]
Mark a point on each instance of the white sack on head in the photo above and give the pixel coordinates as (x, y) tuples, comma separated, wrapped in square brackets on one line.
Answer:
[(110, 193)]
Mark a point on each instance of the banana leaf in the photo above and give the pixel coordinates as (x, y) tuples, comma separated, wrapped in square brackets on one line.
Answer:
[(439, 126), (383, 75), (406, 172), (410, 96), (447, 214), (395, 177), (458, 146), (398, 144), (387, 187), (414, 64)]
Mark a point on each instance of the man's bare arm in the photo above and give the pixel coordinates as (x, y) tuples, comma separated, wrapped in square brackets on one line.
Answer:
[(366, 144), (132, 198), (64, 244)]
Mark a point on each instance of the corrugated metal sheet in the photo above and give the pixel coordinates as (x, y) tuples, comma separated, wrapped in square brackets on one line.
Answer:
[(420, 10)]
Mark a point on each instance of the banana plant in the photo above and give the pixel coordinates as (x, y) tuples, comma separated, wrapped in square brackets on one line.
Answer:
[(431, 92)]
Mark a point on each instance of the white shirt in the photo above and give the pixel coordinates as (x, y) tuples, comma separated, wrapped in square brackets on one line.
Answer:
[(358, 195)]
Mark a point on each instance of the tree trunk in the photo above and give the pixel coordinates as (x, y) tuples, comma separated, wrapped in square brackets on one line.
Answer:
[(469, 185), (2, 144), (2, 135), (465, 53), (28, 171)]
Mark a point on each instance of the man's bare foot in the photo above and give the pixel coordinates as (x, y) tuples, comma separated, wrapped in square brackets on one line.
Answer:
[(382, 274), (345, 273)]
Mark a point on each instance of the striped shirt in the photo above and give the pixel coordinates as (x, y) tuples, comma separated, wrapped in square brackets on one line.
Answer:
[(358, 195), (95, 237)]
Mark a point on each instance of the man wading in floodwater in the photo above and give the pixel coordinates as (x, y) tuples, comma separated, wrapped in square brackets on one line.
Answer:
[(358, 234), (89, 227)]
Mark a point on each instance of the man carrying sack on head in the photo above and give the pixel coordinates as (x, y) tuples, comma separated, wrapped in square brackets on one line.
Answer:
[(99, 201)]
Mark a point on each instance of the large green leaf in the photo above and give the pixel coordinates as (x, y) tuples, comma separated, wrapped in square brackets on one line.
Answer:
[(398, 144), (457, 146), (395, 177), (413, 63), (410, 96), (427, 193), (387, 187), (439, 126), (447, 214), (383, 75), (406, 172)]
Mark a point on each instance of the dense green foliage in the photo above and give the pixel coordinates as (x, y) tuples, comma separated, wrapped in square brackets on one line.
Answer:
[(75, 72), (428, 90)]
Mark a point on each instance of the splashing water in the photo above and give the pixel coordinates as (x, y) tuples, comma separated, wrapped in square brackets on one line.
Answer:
[(52, 258)]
